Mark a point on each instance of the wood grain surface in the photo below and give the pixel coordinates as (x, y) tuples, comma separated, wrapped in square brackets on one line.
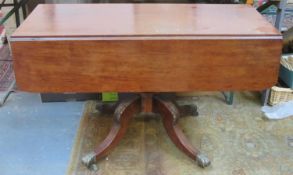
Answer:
[(145, 65), (145, 48), (72, 20)]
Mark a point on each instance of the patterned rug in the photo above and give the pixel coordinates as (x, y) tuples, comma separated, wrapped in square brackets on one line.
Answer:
[(6, 68), (237, 139), (6, 75), (5, 54)]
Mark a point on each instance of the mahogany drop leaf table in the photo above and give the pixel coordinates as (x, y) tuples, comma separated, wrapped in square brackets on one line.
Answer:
[(145, 49)]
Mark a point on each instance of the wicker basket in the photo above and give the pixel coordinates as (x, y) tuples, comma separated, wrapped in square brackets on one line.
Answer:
[(287, 61), (279, 95)]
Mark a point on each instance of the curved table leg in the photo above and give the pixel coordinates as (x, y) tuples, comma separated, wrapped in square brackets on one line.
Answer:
[(123, 113), (170, 114)]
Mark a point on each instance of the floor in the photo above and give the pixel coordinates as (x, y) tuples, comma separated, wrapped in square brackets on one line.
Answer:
[(237, 139), (36, 138)]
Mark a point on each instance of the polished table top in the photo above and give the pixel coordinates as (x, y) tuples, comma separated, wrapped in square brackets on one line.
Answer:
[(145, 48), (80, 20)]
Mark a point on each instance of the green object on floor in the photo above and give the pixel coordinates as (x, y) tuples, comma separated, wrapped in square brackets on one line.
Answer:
[(110, 96)]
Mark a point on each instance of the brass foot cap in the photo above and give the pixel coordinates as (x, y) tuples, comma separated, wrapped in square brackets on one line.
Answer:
[(89, 161), (202, 160)]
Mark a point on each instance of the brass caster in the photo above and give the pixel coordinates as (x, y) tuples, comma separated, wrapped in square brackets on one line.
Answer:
[(89, 161), (202, 160)]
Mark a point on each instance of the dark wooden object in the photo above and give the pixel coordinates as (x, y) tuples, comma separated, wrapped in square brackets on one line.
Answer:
[(145, 48)]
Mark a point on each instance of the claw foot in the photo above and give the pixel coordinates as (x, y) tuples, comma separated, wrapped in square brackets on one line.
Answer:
[(89, 161), (202, 160)]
